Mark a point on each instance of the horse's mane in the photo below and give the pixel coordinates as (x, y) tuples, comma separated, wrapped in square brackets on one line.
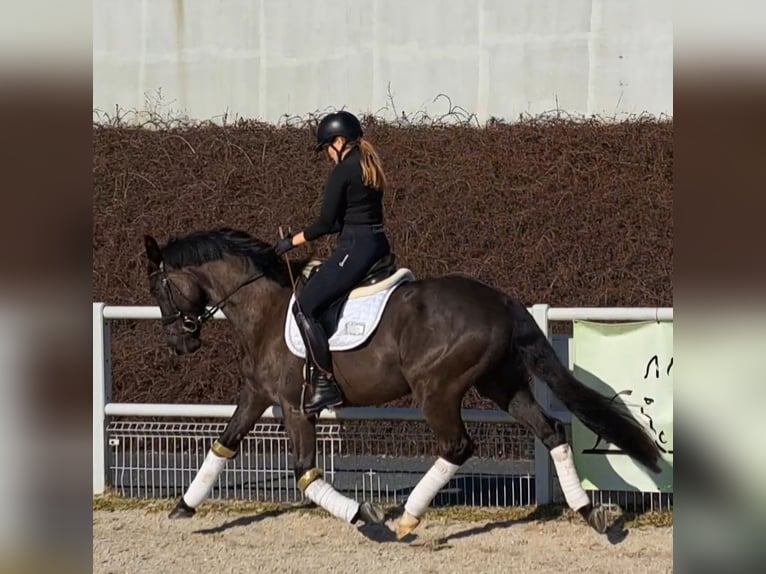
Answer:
[(201, 247)]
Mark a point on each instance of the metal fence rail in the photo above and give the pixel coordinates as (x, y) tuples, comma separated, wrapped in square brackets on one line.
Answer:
[(160, 459)]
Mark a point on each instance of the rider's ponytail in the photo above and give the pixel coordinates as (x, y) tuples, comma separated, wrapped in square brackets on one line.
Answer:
[(372, 168)]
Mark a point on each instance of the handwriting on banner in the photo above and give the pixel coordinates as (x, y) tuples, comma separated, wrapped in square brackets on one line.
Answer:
[(660, 440), (645, 410)]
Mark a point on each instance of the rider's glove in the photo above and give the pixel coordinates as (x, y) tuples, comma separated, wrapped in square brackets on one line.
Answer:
[(284, 245)]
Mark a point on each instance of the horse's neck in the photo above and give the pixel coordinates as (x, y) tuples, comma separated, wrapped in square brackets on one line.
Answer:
[(247, 305)]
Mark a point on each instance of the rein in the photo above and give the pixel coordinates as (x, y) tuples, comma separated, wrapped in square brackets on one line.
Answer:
[(192, 323)]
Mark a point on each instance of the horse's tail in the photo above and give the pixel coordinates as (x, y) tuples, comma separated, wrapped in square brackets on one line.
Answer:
[(608, 419)]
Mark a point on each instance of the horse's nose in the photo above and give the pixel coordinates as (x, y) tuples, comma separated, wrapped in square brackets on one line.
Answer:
[(192, 345)]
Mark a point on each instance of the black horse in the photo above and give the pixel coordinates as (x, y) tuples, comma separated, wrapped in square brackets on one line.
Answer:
[(437, 338)]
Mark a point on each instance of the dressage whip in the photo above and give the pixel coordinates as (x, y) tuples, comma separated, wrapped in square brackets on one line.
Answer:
[(292, 280), (289, 268), (307, 342)]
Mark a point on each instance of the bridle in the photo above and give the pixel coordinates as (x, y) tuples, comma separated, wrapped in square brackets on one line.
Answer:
[(192, 323)]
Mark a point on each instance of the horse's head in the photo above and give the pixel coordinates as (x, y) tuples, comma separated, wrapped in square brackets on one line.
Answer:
[(181, 300), (208, 267)]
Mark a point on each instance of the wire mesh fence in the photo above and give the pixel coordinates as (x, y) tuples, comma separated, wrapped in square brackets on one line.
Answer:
[(380, 462)]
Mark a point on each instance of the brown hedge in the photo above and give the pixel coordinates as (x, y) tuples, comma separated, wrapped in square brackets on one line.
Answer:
[(559, 211)]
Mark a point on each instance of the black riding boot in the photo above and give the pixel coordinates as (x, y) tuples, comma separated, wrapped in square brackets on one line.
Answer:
[(326, 391)]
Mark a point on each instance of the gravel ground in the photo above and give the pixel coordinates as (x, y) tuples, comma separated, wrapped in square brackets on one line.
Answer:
[(127, 541)]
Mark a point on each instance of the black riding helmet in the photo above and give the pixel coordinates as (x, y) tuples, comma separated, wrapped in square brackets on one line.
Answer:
[(337, 124)]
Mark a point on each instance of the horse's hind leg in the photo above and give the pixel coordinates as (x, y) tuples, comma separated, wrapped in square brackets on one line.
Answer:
[(250, 407), (524, 408), (442, 412)]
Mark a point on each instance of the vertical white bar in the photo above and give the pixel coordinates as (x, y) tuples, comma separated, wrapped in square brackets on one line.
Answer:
[(332, 457), (542, 395), (482, 85), (102, 390), (262, 61), (377, 68)]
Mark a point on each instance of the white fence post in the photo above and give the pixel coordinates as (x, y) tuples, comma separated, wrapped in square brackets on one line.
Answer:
[(542, 394), (102, 391)]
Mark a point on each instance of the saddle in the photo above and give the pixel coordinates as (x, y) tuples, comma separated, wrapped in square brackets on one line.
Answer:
[(381, 275), (383, 268)]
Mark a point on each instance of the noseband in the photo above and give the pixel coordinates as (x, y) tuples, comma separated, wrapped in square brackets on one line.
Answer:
[(192, 323)]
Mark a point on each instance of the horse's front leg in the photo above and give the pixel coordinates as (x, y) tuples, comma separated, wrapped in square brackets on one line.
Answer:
[(250, 407), (310, 479)]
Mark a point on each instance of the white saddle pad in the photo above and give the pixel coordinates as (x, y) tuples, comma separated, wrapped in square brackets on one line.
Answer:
[(358, 320)]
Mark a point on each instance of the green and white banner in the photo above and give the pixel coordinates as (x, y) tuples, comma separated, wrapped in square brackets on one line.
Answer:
[(632, 363)]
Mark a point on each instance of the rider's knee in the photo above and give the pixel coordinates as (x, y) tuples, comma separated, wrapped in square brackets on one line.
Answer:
[(306, 308), (299, 310)]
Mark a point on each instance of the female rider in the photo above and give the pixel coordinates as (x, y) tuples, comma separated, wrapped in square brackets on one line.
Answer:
[(353, 207)]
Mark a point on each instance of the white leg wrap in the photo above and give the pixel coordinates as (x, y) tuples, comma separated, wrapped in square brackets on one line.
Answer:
[(432, 482), (203, 482), (563, 460), (331, 500)]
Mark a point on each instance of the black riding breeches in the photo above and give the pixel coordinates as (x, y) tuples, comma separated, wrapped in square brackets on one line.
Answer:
[(359, 247)]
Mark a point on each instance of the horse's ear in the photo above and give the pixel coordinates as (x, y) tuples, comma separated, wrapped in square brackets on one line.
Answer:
[(152, 250)]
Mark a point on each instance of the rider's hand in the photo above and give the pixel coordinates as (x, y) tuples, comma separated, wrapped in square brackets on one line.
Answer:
[(284, 245)]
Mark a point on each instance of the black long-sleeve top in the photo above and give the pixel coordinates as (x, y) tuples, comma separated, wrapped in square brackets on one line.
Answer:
[(346, 199)]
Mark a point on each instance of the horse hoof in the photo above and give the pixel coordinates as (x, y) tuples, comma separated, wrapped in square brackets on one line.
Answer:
[(371, 513), (598, 519), (407, 523), (182, 510)]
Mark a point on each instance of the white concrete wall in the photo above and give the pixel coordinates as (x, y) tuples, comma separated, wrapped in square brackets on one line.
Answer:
[(265, 58)]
